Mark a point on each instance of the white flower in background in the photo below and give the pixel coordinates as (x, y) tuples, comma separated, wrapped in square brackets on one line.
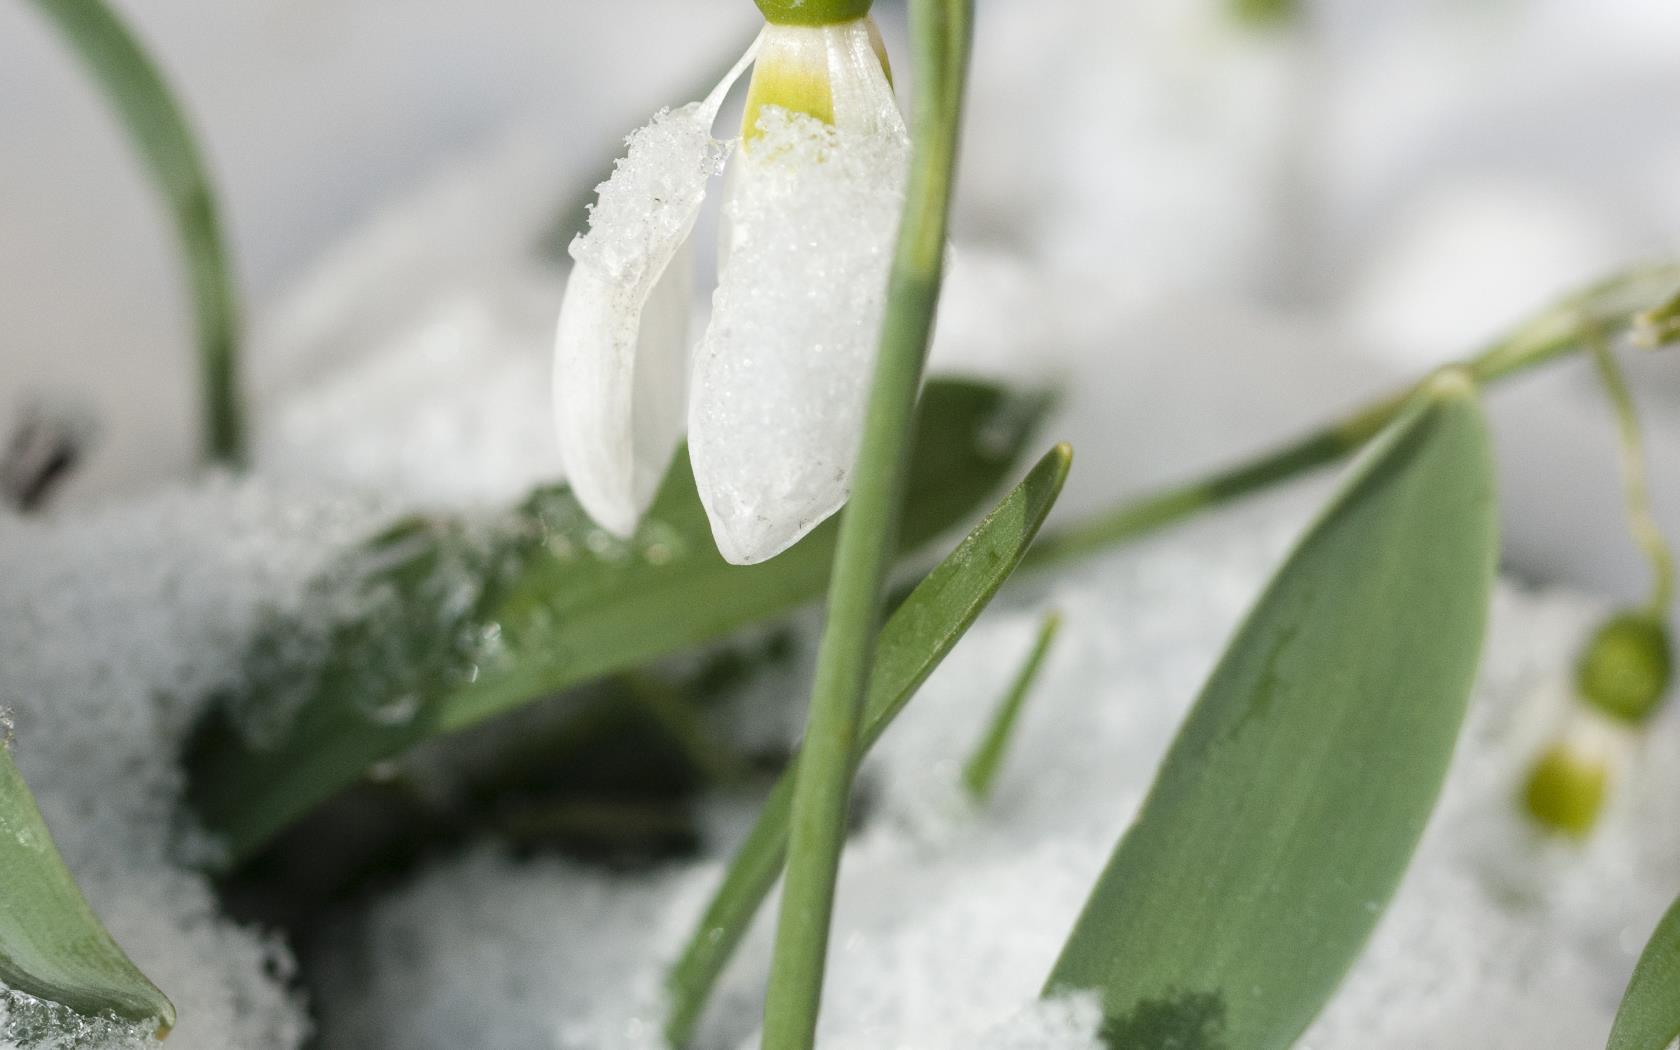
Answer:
[(781, 373)]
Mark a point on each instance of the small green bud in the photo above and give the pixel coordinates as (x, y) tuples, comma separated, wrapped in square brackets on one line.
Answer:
[(1266, 12), (1566, 790), (1626, 670), (1659, 326), (813, 12)]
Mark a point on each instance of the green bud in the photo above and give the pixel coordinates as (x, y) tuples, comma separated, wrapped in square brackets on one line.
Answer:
[(1658, 327), (813, 12), (1627, 668), (1266, 12), (1566, 790)]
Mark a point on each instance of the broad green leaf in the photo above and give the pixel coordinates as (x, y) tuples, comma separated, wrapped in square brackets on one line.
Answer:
[(159, 132), (1289, 806), (1650, 1015), (51, 944), (924, 628), (434, 627)]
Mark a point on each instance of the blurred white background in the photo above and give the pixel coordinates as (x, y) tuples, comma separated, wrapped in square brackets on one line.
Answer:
[(1223, 232)]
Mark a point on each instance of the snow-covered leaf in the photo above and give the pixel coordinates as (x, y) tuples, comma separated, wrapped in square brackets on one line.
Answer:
[(919, 634), (436, 626), (52, 946), (1650, 1015), (1291, 802)]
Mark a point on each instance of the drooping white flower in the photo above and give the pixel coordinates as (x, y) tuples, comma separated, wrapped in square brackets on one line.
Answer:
[(781, 373)]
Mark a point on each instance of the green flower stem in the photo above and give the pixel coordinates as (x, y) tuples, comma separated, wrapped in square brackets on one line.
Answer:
[(1565, 328), (137, 92), (822, 786), (1642, 521), (982, 770)]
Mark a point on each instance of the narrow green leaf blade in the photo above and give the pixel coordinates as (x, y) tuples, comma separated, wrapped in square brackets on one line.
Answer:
[(1650, 1015), (451, 629), (1287, 809), (52, 946), (137, 92), (981, 772), (913, 642)]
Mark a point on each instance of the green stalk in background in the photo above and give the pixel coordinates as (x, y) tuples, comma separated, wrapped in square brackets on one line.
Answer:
[(981, 773), (158, 130), (1642, 518), (822, 790), (1570, 326)]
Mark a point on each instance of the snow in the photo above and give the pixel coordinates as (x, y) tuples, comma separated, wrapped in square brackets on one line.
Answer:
[(950, 917), (117, 627), (1143, 222)]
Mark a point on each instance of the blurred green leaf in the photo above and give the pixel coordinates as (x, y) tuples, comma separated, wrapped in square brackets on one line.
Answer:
[(1291, 802), (436, 626), (1650, 1015), (137, 92), (920, 633), (51, 944)]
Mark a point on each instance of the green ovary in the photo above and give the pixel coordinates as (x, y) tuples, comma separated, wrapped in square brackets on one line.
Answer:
[(813, 12)]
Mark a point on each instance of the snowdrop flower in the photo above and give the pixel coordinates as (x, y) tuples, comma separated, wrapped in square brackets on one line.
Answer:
[(781, 373)]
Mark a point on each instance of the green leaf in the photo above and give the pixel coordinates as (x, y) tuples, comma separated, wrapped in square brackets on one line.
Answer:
[(51, 944), (158, 129), (981, 772), (1291, 802), (920, 633), (434, 627), (1650, 1015)]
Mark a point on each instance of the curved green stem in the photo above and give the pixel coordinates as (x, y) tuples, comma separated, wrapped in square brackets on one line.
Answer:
[(1642, 520), (1566, 328), (822, 785), (158, 129)]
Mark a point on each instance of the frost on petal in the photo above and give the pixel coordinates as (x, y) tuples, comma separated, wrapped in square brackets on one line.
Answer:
[(620, 355), (782, 375)]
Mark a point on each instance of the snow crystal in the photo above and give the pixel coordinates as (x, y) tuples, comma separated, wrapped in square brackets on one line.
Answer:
[(115, 627), (668, 163), (950, 917), (781, 378), (28, 1023)]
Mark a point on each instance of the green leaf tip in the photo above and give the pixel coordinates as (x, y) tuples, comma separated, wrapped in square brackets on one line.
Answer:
[(1649, 1018), (52, 945), (981, 772), (1289, 806), (1628, 667)]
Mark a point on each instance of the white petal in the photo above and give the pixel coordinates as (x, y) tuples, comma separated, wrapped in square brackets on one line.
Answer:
[(863, 97), (620, 372), (783, 373), (620, 360)]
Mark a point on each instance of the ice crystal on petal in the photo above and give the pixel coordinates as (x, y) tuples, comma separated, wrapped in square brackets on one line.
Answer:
[(783, 374), (652, 194)]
